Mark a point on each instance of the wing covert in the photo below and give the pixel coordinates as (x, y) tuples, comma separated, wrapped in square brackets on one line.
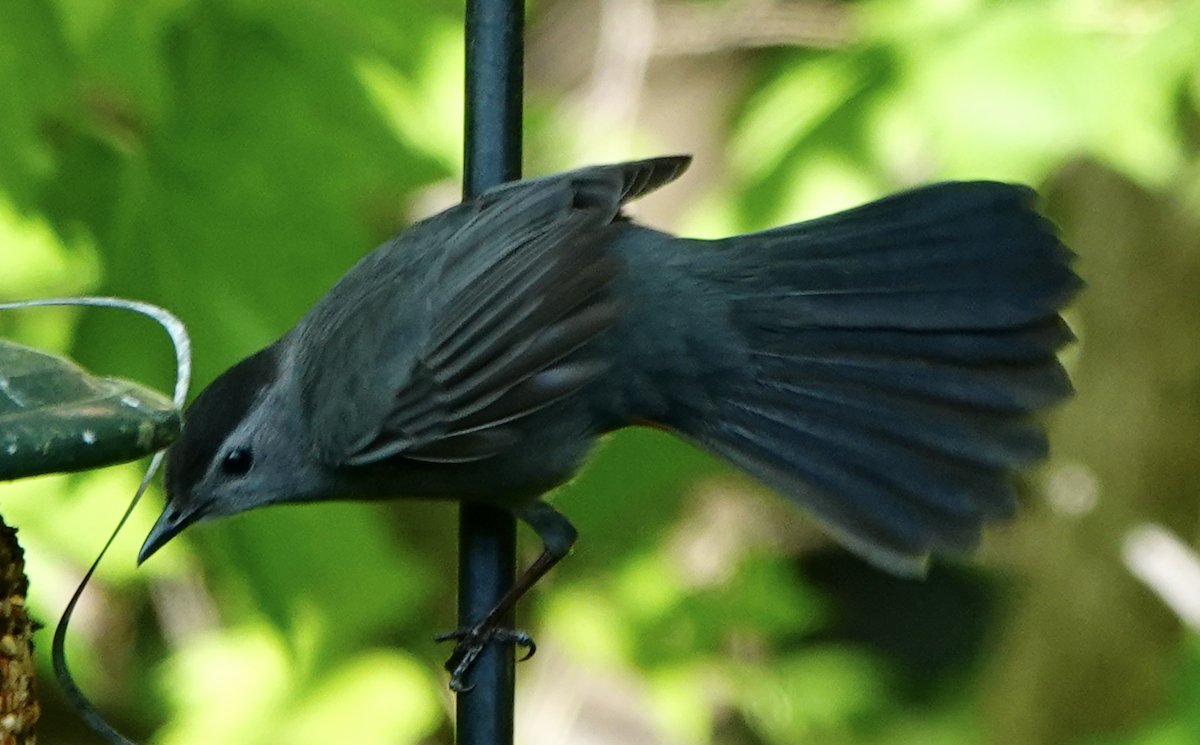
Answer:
[(520, 287)]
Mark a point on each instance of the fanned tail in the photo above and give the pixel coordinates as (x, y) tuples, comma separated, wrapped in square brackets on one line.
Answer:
[(898, 354)]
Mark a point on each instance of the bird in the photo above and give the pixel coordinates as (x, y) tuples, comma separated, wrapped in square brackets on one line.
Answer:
[(882, 367)]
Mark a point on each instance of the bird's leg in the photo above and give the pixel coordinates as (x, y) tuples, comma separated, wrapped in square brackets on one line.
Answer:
[(558, 535)]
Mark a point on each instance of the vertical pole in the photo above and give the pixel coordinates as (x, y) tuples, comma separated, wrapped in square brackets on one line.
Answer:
[(487, 536)]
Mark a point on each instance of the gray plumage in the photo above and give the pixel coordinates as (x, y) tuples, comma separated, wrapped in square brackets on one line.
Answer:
[(881, 366)]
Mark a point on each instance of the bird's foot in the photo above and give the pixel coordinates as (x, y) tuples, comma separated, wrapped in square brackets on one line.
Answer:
[(472, 641)]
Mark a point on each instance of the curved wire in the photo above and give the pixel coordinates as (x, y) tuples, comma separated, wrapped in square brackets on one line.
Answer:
[(170, 323), (183, 374), (71, 691)]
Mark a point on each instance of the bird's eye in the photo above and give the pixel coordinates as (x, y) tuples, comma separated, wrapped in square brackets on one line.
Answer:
[(237, 462)]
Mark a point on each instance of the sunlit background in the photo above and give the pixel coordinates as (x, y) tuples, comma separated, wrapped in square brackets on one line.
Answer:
[(229, 159)]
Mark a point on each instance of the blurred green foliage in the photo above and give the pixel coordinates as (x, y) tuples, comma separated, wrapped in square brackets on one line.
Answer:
[(229, 159)]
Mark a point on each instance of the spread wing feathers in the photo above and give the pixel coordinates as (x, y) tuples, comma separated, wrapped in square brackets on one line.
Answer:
[(605, 188), (521, 289)]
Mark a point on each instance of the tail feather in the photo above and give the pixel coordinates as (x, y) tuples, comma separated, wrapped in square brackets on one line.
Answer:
[(985, 438), (1013, 388), (920, 305), (934, 221), (857, 503), (948, 256), (898, 354), (935, 483), (1038, 342)]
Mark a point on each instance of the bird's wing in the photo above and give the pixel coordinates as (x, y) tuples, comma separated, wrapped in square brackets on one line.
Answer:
[(520, 288)]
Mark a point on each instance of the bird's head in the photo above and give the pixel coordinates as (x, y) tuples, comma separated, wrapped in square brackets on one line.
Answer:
[(242, 446)]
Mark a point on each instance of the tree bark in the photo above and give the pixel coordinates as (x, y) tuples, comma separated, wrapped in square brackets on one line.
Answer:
[(19, 708)]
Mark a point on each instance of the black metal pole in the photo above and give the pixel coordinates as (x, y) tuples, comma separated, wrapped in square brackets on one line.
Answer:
[(487, 536)]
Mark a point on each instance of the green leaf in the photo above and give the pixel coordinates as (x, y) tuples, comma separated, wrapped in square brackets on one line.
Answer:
[(55, 417)]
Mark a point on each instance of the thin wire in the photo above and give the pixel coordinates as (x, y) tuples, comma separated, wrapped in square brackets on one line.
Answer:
[(79, 702), (183, 374), (170, 323)]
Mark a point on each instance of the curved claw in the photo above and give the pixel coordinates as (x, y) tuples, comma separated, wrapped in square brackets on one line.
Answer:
[(457, 685), (531, 646), (471, 643)]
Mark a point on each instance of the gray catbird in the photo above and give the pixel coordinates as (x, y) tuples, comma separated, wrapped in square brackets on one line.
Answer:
[(880, 366)]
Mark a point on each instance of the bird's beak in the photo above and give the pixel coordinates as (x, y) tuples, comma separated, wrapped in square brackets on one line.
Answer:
[(170, 523)]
